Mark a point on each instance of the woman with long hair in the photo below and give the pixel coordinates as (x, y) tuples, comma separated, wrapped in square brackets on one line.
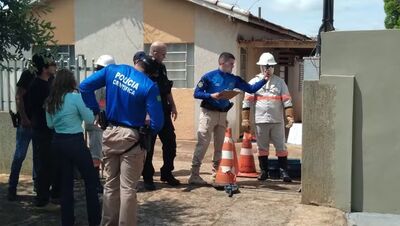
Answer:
[(65, 111)]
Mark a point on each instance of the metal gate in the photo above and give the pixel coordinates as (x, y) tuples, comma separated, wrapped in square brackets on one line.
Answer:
[(11, 74)]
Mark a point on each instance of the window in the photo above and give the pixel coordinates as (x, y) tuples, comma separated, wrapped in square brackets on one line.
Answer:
[(179, 63), (64, 53)]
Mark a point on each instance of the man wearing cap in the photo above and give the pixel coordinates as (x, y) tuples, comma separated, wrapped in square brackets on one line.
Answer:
[(214, 110), (44, 158), (158, 51), (130, 95), (145, 64), (24, 131), (270, 103), (94, 132)]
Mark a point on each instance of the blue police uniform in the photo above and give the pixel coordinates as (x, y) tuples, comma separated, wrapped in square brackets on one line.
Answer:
[(218, 81), (130, 94), (213, 115)]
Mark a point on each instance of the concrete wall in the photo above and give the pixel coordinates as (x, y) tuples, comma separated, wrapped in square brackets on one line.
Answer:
[(116, 30), (327, 141), (372, 57), (7, 146), (162, 24)]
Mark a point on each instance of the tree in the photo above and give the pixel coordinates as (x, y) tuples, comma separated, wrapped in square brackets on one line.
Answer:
[(22, 26), (392, 10)]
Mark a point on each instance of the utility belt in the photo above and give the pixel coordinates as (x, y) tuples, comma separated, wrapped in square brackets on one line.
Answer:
[(145, 137), (145, 134), (208, 106)]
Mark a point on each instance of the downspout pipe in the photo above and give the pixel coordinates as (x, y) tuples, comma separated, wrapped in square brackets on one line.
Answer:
[(327, 22)]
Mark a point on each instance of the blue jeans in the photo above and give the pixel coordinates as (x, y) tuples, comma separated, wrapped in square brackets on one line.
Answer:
[(23, 138)]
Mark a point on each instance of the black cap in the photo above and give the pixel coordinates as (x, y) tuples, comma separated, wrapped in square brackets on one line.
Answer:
[(139, 56), (150, 65)]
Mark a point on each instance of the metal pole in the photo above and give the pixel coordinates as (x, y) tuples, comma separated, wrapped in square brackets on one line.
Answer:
[(8, 86), (92, 65), (15, 80), (327, 22), (84, 62), (77, 77), (1, 90)]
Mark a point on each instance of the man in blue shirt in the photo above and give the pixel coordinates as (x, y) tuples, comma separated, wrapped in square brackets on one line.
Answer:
[(214, 109), (130, 94)]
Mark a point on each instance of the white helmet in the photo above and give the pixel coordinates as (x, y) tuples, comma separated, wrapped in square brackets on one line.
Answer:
[(266, 59), (105, 60)]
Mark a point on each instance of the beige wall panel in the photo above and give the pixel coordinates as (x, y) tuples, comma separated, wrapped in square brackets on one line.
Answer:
[(162, 24), (184, 124), (62, 17)]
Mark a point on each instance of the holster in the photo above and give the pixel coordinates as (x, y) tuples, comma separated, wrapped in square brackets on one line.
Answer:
[(145, 137), (15, 119), (103, 122)]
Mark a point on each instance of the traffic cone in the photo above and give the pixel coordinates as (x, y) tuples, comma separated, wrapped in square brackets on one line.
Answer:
[(227, 169), (247, 166)]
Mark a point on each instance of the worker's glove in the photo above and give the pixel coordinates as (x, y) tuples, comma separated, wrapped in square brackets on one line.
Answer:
[(290, 121), (246, 125), (246, 120), (289, 117)]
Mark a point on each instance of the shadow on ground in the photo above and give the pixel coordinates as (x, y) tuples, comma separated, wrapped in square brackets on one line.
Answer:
[(163, 212), (23, 212)]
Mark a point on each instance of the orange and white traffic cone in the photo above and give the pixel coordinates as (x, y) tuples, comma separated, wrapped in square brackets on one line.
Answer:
[(227, 169), (247, 166)]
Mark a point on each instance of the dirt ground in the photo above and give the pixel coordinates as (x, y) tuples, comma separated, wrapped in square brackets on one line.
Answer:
[(258, 203)]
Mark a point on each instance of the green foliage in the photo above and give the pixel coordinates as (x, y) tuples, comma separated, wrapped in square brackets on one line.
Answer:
[(22, 26), (392, 10)]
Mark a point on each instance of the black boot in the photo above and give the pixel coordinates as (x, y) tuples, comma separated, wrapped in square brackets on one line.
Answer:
[(282, 161), (263, 161), (170, 179), (12, 194)]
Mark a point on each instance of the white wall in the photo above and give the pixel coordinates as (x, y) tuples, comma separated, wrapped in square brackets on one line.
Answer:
[(101, 29)]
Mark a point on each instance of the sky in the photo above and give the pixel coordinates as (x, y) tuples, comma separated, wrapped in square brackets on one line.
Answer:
[(305, 16)]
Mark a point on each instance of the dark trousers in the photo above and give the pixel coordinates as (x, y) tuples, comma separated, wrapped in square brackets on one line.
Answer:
[(168, 140), (45, 161), (74, 153)]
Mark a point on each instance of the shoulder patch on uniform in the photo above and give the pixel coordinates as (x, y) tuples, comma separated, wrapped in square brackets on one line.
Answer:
[(200, 84), (158, 98)]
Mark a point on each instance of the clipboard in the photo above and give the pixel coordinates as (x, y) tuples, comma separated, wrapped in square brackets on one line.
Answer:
[(228, 94)]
